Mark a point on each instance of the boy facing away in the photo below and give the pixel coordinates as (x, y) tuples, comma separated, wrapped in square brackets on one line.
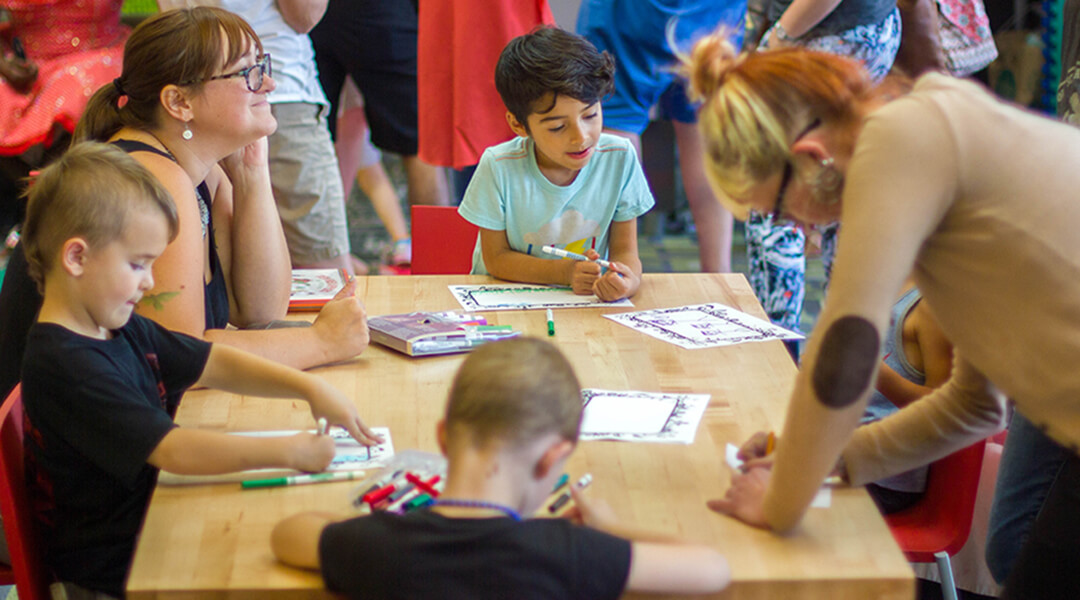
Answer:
[(100, 385), (561, 182), (510, 425)]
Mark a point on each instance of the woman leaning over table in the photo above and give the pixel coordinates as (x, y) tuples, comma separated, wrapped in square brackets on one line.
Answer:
[(190, 105), (978, 198)]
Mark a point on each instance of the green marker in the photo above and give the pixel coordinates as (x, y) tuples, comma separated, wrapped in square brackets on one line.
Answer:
[(551, 323), (301, 479)]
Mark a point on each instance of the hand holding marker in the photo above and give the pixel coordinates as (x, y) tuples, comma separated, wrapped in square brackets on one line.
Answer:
[(305, 478), (565, 496), (575, 256)]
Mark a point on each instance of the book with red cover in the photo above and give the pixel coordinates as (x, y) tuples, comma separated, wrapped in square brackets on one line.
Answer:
[(312, 288)]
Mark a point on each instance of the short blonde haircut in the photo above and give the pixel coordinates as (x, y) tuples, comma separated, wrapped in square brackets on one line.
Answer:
[(88, 192), (512, 392), (754, 105)]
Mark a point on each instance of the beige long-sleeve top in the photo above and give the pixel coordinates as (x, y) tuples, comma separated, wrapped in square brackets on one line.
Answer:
[(981, 198)]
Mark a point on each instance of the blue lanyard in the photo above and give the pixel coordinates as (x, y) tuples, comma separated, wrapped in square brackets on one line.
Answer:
[(513, 514)]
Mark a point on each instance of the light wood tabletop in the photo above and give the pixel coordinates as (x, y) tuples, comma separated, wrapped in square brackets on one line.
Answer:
[(213, 540)]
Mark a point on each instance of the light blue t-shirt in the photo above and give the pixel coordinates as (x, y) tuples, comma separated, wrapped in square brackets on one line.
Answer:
[(508, 192)]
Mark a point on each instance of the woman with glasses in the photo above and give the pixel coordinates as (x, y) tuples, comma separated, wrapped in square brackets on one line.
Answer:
[(191, 105), (977, 197)]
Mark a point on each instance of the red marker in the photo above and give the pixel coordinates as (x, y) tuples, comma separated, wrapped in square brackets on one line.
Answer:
[(383, 492), (427, 486)]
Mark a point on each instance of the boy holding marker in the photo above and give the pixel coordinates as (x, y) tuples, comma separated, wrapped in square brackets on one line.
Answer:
[(510, 425), (100, 385), (562, 182)]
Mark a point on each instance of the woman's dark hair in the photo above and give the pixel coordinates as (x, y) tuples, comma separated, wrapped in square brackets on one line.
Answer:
[(551, 60), (180, 47)]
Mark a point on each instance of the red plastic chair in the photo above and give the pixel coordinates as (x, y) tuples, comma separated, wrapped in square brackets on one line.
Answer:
[(442, 241), (31, 580), (938, 526)]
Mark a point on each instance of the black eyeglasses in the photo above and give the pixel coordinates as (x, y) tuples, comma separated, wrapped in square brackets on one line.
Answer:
[(785, 178), (778, 207), (253, 75)]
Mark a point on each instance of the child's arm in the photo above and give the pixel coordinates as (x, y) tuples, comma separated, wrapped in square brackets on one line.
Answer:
[(236, 371), (196, 452), (295, 539), (624, 280), (504, 262), (935, 351), (659, 563)]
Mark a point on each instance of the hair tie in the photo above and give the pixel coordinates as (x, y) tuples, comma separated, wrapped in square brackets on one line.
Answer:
[(119, 87)]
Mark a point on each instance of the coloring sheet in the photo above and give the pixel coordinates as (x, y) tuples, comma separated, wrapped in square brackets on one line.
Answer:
[(703, 326), (349, 455), (641, 416), (519, 296)]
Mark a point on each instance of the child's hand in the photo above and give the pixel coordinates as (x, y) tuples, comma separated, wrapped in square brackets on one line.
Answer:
[(616, 284), (310, 452), (329, 403), (597, 515), (745, 499), (754, 451), (586, 273), (342, 325)]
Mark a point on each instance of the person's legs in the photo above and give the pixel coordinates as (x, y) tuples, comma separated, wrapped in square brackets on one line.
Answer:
[(713, 222), (427, 183), (1030, 464), (307, 187), (777, 267), (1048, 565)]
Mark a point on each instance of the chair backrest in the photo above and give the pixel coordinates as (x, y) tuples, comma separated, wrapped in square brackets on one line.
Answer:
[(442, 241), (941, 521), (31, 580)]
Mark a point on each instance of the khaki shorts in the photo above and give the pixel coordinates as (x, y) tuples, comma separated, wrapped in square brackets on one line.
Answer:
[(307, 183)]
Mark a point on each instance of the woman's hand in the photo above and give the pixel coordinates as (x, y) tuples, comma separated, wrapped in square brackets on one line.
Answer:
[(745, 499), (342, 325), (252, 157)]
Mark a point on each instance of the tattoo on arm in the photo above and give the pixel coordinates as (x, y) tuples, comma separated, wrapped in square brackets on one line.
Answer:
[(157, 301)]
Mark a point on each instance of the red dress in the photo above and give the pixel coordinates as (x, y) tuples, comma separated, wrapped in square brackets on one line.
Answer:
[(78, 46), (459, 42)]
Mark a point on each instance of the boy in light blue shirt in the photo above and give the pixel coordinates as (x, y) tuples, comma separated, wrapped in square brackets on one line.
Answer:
[(561, 182)]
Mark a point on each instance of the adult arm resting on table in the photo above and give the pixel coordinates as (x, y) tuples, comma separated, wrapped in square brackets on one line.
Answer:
[(900, 184)]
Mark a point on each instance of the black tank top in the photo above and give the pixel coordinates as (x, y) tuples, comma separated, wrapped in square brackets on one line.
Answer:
[(215, 294)]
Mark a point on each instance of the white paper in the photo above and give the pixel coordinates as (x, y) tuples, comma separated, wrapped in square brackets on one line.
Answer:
[(518, 296), (642, 416), (823, 498), (702, 326), (349, 455)]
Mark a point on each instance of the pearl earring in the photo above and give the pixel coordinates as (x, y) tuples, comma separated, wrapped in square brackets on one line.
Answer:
[(828, 182), (187, 135)]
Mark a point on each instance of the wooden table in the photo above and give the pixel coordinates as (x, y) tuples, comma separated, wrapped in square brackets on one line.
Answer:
[(214, 540)]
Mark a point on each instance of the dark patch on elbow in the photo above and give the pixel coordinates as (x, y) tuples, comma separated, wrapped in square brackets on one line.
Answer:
[(846, 361)]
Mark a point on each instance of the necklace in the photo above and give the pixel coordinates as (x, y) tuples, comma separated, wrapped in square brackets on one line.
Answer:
[(513, 514)]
